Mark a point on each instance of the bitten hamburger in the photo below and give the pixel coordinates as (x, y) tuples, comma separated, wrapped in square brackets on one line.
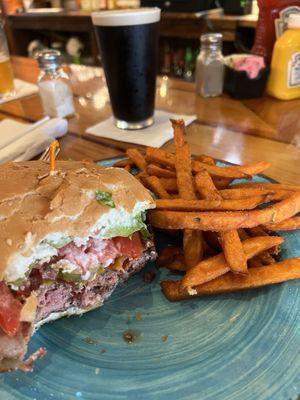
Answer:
[(66, 241)]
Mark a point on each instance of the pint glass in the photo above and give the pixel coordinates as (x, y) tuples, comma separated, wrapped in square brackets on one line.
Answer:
[(128, 43), (6, 73)]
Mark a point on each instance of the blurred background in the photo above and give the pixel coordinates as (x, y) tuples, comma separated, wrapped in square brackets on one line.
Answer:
[(65, 25)]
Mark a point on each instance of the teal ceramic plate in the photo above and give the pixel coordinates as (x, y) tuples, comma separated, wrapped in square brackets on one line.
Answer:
[(231, 347)]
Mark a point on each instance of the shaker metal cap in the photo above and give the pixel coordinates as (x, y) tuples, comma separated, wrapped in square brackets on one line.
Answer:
[(48, 59), (211, 38)]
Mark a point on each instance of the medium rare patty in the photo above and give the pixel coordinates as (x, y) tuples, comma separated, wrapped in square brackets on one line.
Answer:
[(60, 294)]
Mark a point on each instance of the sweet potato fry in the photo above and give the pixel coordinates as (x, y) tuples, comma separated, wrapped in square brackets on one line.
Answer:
[(266, 258), (230, 241), (127, 167), (257, 277), (123, 163), (192, 240), (165, 158), (255, 262), (272, 186), (140, 177), (178, 132), (263, 258), (207, 249), (244, 192), (222, 183), (154, 184), (226, 172), (259, 231), (193, 247), (184, 173), (233, 251), (178, 264), (212, 238), (210, 205), (168, 254), (214, 267), (243, 234), (153, 169), (206, 187), (160, 156), (170, 184), (205, 159), (290, 224), (173, 292), (255, 169), (232, 171), (241, 171), (218, 220), (139, 160)]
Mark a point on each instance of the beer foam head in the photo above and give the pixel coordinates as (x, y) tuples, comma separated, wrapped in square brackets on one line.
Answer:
[(140, 16)]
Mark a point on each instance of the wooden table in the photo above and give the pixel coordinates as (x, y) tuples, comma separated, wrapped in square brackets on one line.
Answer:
[(231, 130)]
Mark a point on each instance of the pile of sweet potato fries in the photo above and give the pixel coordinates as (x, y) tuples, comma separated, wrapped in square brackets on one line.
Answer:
[(227, 243)]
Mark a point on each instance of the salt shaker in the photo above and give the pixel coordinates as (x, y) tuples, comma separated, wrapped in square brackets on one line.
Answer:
[(54, 85), (210, 66)]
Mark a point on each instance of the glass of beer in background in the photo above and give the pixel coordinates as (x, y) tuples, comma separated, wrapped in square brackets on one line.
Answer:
[(128, 42), (6, 73)]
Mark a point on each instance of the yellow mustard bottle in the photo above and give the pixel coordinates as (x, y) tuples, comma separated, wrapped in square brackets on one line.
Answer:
[(284, 80)]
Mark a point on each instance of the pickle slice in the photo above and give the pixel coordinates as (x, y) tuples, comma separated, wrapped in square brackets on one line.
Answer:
[(70, 276)]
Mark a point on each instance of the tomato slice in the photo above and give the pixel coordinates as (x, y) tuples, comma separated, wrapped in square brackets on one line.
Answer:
[(131, 247), (10, 311)]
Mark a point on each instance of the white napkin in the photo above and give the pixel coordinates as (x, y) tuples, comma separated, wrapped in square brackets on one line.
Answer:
[(156, 135), (29, 143), (22, 89), (296, 140), (10, 131)]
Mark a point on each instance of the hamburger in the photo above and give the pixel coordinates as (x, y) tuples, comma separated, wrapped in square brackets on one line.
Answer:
[(66, 241)]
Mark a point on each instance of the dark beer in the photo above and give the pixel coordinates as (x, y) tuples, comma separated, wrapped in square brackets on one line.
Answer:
[(128, 44)]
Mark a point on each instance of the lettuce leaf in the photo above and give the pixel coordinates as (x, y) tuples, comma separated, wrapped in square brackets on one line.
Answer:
[(138, 224)]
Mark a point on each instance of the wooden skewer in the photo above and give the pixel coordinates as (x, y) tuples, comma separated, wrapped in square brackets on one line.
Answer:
[(53, 146)]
